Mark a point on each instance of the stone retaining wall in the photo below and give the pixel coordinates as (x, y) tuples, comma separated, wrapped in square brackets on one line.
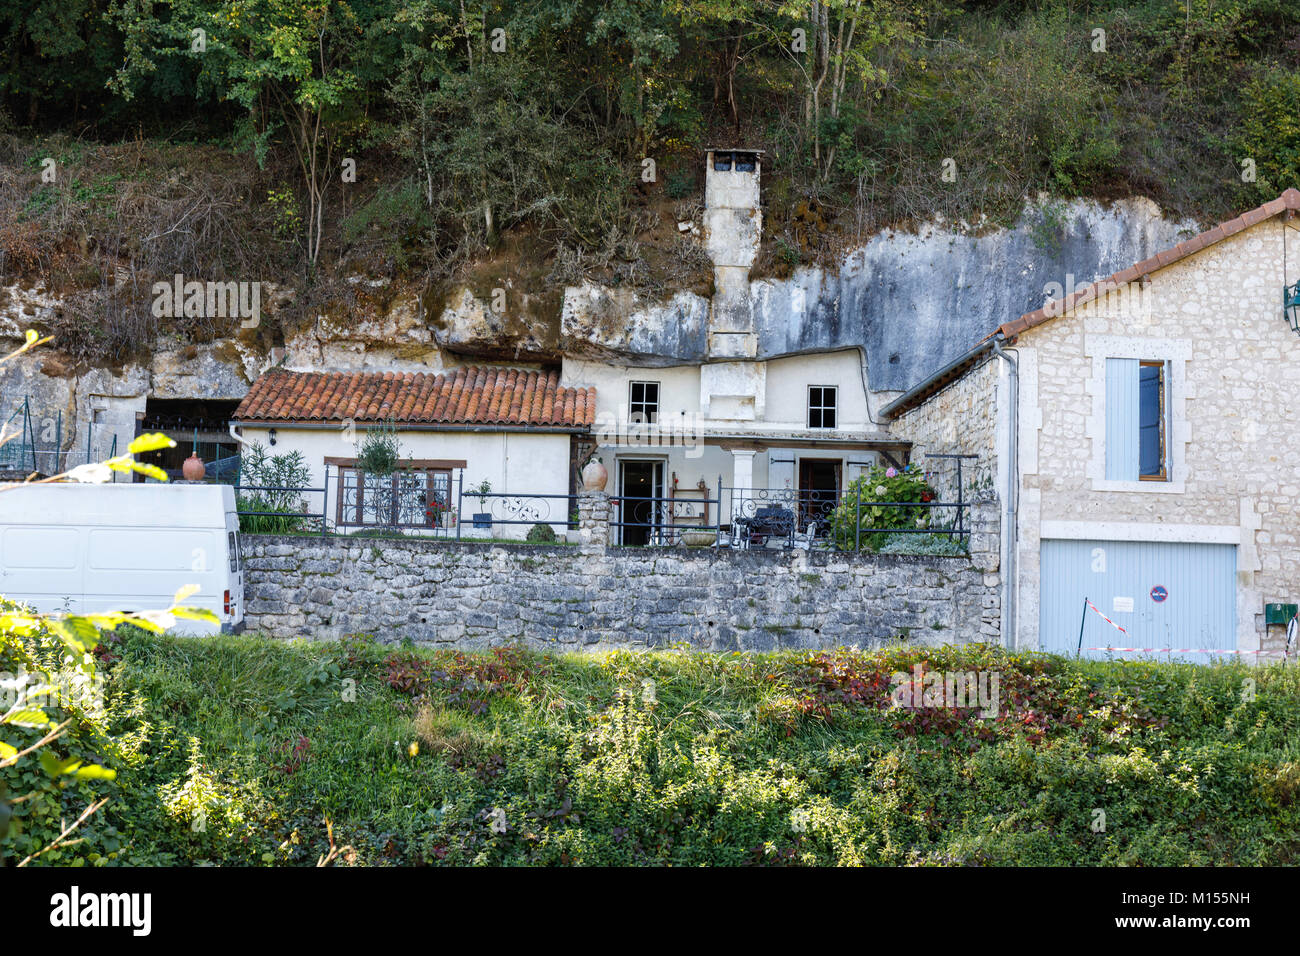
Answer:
[(593, 596)]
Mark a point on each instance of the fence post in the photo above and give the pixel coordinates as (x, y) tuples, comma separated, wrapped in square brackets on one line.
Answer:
[(717, 518), (1082, 621), (325, 503), (460, 499), (961, 513), (593, 522)]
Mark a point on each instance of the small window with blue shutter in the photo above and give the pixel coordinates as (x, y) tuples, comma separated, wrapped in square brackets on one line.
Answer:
[(1136, 420)]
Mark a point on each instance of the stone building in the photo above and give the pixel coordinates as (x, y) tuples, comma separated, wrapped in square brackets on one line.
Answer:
[(1136, 434)]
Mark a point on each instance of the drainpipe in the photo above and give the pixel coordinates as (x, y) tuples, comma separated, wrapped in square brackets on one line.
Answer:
[(1010, 497)]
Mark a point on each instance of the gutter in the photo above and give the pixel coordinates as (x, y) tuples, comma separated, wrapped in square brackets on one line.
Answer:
[(1010, 498), (416, 427)]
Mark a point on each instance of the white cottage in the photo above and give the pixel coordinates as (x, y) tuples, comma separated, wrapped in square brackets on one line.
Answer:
[(704, 443), (518, 430), (791, 431), (1137, 434)]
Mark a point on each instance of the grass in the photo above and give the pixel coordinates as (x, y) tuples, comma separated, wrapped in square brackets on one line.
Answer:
[(236, 750)]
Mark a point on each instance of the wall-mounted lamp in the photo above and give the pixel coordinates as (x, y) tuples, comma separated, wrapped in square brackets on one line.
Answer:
[(271, 435), (1291, 305)]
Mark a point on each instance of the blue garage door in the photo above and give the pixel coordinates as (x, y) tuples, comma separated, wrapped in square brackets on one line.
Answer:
[(1164, 595)]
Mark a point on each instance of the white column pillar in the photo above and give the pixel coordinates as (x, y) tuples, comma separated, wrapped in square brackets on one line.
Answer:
[(742, 469)]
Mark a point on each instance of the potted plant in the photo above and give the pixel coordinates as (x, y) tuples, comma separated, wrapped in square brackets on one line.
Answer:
[(482, 519), (440, 514)]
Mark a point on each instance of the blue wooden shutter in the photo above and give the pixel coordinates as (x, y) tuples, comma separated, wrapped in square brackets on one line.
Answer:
[(1151, 457), (1122, 420)]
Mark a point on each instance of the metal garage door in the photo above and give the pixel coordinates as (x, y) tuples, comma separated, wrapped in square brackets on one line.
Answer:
[(1164, 595)]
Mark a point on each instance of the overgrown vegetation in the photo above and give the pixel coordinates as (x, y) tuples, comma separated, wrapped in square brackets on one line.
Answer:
[(436, 141), (238, 750)]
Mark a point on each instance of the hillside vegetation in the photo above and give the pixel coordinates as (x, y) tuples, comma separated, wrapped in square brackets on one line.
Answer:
[(219, 138), (238, 750)]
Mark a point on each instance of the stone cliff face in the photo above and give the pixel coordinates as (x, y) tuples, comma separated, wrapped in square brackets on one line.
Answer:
[(913, 300)]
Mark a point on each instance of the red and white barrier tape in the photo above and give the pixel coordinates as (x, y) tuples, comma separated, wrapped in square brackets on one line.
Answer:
[(1172, 650), (1106, 619)]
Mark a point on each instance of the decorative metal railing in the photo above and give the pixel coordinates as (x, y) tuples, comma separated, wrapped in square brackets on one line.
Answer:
[(657, 520), (437, 504)]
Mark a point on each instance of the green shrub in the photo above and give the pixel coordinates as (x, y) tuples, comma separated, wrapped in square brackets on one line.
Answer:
[(1270, 132), (380, 451), (681, 183), (865, 512), (541, 534), (273, 482)]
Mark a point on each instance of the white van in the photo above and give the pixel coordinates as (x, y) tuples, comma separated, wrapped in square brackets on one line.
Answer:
[(84, 548)]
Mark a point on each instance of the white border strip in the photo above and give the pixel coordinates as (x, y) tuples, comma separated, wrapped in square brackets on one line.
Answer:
[(1132, 531)]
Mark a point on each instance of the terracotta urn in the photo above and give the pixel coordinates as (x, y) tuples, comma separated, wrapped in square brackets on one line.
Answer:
[(594, 476), (193, 469)]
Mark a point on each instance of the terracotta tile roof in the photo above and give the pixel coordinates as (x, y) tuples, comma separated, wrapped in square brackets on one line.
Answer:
[(1288, 200), (463, 396)]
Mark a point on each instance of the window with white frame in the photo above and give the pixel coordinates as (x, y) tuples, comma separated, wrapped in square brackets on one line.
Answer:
[(822, 406), (643, 403)]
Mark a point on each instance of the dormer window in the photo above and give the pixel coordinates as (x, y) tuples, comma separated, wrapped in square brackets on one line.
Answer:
[(821, 406)]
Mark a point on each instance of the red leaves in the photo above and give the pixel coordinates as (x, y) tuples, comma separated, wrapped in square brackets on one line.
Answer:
[(294, 753)]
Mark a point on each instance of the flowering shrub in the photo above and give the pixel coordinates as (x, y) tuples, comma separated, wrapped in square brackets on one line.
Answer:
[(866, 513)]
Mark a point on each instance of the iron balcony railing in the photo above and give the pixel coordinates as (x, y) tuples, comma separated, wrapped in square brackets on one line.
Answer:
[(438, 504)]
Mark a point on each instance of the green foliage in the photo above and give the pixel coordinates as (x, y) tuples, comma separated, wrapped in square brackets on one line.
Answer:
[(55, 731), (864, 513), (541, 534), (481, 490), (681, 183), (381, 451), (272, 482), (688, 758), (1270, 133)]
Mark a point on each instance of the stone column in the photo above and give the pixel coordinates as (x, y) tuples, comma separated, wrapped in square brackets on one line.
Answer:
[(593, 521), (985, 556)]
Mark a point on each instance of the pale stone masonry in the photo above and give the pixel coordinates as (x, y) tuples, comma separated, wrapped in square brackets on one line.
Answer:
[(1209, 313), (1216, 317), (960, 419), (594, 597)]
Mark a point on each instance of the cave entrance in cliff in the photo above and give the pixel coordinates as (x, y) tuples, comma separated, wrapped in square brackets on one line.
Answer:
[(198, 425)]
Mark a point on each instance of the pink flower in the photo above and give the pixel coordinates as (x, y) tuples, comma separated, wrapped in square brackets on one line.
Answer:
[(891, 472)]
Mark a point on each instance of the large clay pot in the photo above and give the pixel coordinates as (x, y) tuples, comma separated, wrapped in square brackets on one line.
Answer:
[(594, 476), (193, 469)]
